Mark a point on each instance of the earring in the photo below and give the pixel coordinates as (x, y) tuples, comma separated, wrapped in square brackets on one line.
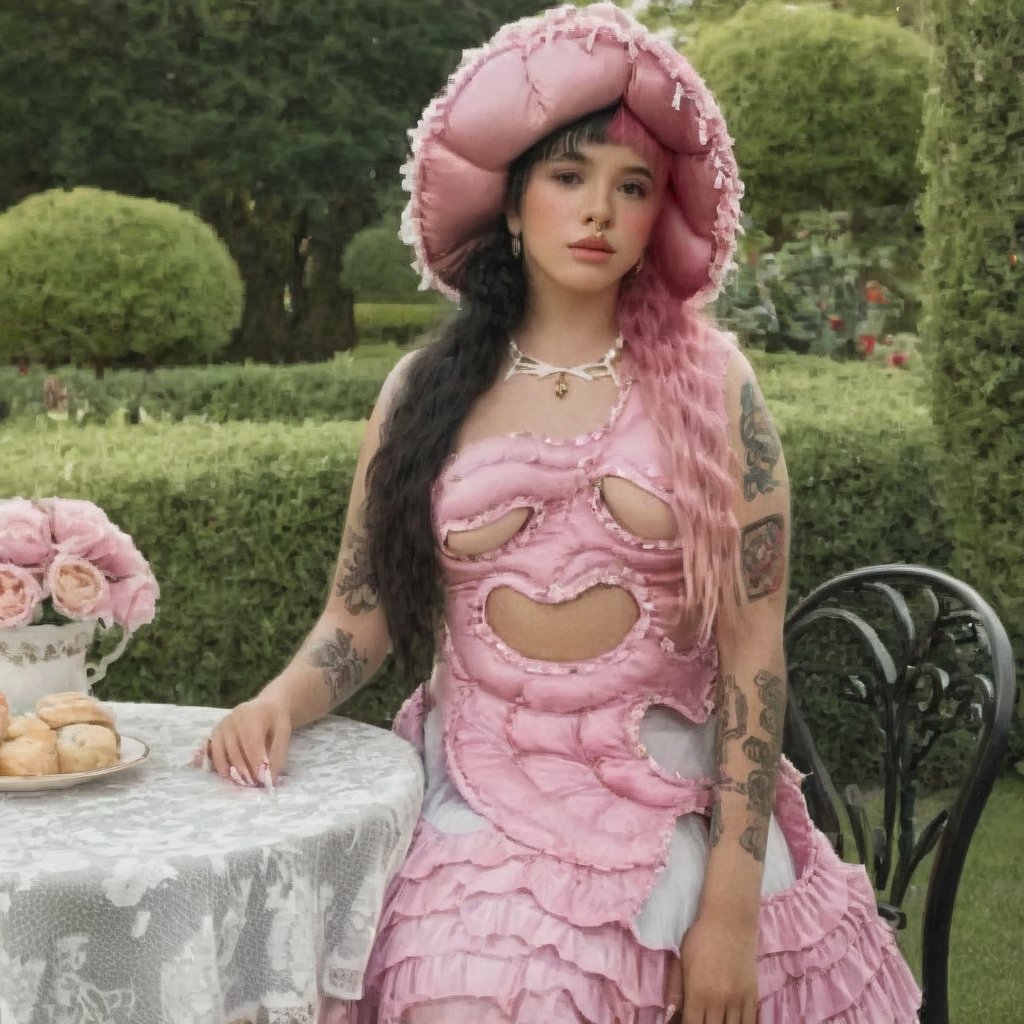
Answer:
[(517, 245), (639, 264)]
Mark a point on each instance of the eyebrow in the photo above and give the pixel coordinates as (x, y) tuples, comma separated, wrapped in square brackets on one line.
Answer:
[(576, 157)]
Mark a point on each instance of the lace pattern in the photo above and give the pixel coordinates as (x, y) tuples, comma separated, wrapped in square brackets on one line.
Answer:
[(169, 895)]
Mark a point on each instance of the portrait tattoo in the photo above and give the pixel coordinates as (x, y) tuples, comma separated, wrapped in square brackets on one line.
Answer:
[(341, 663), (357, 582), (763, 555), (761, 445)]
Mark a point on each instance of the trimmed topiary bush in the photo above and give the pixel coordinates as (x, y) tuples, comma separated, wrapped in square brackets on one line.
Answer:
[(973, 305), (88, 276), (825, 106)]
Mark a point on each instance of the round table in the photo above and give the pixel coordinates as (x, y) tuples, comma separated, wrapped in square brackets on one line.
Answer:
[(167, 895)]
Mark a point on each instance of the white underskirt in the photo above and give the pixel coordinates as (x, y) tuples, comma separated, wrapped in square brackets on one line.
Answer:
[(679, 746)]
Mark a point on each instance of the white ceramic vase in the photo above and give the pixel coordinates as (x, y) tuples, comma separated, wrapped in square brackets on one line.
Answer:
[(42, 659)]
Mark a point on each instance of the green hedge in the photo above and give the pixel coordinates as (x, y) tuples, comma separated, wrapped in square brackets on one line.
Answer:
[(343, 389), (973, 300), (242, 521)]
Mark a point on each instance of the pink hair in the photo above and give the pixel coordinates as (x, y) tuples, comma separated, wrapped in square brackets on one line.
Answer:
[(681, 358)]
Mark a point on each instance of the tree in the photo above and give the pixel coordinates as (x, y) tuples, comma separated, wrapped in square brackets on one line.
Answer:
[(276, 121)]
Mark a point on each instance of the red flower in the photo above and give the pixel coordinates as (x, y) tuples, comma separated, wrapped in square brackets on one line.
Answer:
[(835, 322), (23, 370), (867, 344), (897, 358)]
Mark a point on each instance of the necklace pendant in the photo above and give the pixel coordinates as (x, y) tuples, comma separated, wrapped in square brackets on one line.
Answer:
[(562, 387)]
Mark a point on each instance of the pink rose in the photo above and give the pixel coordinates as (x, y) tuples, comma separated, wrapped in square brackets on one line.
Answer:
[(77, 526), (134, 601), (116, 554), (78, 589), (24, 533), (82, 528), (20, 593)]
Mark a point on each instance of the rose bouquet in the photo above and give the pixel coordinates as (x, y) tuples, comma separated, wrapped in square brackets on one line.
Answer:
[(63, 560)]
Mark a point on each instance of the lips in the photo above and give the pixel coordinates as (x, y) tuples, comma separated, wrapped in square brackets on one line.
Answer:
[(597, 244)]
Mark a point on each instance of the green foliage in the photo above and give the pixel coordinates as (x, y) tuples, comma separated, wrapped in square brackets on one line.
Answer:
[(823, 289), (278, 122), (825, 107), (344, 388), (398, 322), (90, 276), (376, 266), (973, 305)]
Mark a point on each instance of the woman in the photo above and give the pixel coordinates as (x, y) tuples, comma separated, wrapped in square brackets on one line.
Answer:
[(576, 505)]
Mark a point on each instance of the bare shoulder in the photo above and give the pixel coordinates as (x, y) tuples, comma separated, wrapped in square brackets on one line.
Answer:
[(395, 381)]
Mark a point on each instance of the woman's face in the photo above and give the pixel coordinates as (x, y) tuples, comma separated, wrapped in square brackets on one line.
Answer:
[(570, 195)]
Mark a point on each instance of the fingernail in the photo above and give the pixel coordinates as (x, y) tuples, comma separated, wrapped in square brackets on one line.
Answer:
[(265, 777), (236, 776), (670, 1012)]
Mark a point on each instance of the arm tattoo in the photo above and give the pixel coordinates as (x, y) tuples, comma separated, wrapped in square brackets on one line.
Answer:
[(760, 444), (764, 556), (730, 724), (764, 753), (357, 582), (341, 663), (759, 788)]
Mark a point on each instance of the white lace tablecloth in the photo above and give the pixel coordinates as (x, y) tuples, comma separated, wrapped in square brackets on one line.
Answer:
[(166, 895)]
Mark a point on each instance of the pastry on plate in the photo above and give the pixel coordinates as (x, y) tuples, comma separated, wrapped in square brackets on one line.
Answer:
[(60, 709), (33, 751), (5, 716), (27, 725), (83, 746)]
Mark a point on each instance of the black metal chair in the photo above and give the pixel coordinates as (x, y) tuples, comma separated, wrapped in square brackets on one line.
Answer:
[(922, 667)]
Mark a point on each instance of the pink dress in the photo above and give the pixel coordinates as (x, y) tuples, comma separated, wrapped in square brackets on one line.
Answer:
[(558, 862)]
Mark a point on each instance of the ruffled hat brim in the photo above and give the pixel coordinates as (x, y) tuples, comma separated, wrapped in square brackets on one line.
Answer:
[(540, 74)]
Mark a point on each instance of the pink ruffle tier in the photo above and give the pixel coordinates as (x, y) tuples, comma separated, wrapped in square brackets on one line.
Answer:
[(481, 917)]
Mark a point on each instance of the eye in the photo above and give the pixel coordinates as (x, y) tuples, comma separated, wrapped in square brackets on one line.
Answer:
[(636, 189), (566, 177)]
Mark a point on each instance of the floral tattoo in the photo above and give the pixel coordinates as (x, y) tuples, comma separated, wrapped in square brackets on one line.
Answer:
[(764, 556), (763, 753), (730, 724), (341, 663), (760, 444), (357, 582)]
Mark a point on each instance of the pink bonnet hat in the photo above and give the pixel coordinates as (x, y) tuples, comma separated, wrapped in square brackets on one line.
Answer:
[(540, 74)]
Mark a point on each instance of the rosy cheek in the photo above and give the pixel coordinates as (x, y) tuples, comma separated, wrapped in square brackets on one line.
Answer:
[(637, 223)]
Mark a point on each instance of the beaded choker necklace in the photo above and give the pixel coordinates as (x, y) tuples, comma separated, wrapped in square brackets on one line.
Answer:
[(603, 367)]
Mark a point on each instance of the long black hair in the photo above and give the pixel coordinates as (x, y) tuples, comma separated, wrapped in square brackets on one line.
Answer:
[(441, 385)]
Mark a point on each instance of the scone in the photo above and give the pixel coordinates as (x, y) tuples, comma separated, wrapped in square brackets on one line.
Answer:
[(31, 753), (60, 709), (83, 746), (27, 725)]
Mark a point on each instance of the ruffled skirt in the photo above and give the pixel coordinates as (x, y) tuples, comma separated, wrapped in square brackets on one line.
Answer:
[(478, 928)]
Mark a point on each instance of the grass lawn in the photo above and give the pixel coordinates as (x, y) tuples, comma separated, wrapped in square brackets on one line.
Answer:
[(986, 964)]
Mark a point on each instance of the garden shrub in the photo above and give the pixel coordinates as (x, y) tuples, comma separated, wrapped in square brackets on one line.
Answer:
[(973, 303), (344, 388), (89, 276), (825, 106)]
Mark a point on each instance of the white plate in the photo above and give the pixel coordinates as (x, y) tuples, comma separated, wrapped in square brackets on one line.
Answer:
[(133, 752)]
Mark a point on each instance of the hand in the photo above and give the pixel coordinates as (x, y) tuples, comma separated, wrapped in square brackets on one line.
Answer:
[(255, 734), (714, 981)]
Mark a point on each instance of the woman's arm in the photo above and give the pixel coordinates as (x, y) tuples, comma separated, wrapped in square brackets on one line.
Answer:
[(344, 649), (718, 965)]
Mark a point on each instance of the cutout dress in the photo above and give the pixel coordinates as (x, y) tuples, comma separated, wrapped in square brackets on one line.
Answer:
[(560, 854)]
